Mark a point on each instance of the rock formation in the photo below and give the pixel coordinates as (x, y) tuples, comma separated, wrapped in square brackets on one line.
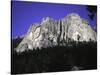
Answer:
[(52, 32)]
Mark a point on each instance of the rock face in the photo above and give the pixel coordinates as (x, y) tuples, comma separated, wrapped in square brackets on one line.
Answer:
[(52, 32)]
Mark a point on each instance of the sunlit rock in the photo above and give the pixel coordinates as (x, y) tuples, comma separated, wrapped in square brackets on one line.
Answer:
[(52, 32)]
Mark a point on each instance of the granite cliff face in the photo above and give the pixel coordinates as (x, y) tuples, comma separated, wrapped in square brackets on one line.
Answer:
[(52, 32)]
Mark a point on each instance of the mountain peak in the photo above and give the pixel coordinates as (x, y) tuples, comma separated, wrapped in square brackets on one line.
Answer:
[(51, 32)]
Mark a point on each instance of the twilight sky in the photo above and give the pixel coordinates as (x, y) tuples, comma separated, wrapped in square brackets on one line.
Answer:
[(26, 13)]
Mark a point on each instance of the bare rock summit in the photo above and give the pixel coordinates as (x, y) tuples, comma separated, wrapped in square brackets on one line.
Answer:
[(52, 32)]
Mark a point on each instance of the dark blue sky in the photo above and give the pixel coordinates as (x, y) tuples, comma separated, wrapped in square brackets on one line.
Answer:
[(26, 13)]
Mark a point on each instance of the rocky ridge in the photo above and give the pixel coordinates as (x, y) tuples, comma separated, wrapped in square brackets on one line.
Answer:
[(52, 32)]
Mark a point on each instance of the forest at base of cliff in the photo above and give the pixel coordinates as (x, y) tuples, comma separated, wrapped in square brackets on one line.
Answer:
[(82, 56)]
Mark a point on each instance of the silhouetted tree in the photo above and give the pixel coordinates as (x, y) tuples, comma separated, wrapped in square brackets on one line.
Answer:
[(78, 37), (92, 11)]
